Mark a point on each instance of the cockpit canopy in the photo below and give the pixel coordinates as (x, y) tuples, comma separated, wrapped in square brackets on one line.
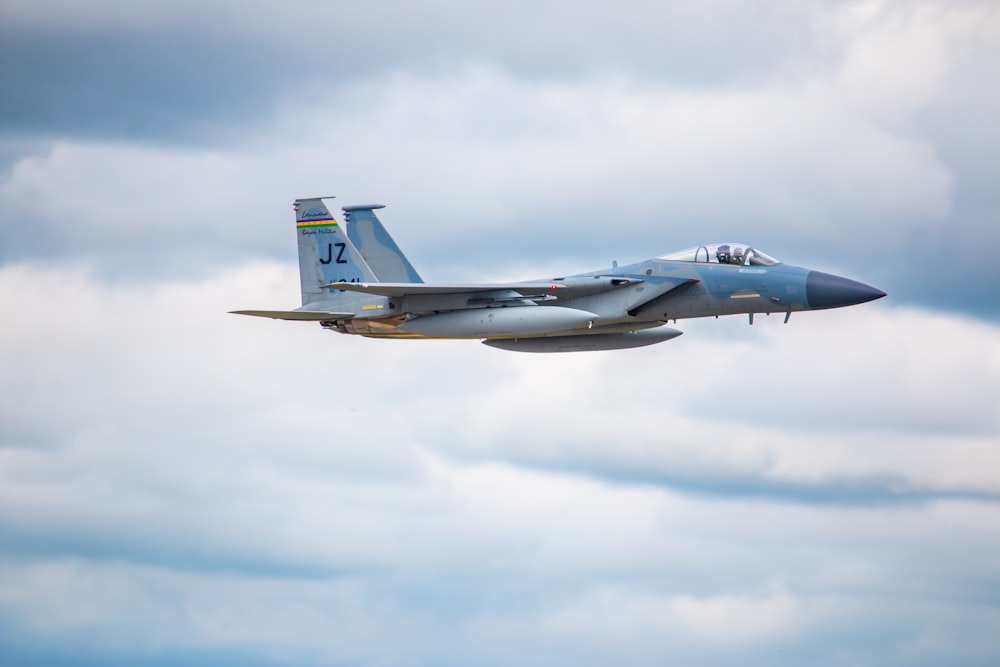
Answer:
[(722, 253)]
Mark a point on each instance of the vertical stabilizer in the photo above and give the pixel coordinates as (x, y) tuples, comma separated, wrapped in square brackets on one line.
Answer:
[(326, 255), (377, 247)]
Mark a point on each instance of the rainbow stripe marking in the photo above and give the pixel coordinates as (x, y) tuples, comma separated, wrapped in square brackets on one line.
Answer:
[(318, 222)]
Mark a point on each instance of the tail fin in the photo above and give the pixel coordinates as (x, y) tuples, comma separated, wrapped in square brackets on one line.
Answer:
[(326, 255), (377, 248)]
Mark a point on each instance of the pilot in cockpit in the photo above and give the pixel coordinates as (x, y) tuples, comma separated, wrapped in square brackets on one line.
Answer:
[(725, 255)]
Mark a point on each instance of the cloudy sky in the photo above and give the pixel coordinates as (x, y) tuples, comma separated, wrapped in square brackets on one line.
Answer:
[(183, 486)]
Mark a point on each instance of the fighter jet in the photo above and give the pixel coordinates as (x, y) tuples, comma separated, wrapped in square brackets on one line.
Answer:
[(356, 280)]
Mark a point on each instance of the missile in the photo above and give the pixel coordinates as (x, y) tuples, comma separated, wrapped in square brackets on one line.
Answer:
[(512, 321), (585, 342)]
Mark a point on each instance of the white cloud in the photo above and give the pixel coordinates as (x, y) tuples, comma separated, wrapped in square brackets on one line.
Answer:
[(782, 155), (867, 394), (627, 616), (234, 429), (479, 152)]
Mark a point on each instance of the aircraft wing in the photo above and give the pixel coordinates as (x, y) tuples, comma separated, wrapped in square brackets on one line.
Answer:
[(299, 315), (560, 287)]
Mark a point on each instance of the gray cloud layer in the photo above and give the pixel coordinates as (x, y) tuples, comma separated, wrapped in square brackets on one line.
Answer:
[(191, 73)]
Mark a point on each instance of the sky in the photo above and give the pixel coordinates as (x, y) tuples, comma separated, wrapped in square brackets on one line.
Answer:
[(183, 486)]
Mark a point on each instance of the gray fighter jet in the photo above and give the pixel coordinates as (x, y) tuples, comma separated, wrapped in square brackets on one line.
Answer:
[(355, 280)]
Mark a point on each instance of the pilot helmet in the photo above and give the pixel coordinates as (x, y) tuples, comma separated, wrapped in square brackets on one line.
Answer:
[(722, 254)]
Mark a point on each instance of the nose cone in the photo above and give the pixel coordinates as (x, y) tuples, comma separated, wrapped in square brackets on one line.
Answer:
[(824, 290)]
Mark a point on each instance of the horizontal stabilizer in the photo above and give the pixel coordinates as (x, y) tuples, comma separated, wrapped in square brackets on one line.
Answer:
[(299, 315)]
